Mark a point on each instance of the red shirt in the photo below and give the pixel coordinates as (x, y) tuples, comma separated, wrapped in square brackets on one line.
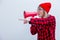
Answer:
[(44, 27)]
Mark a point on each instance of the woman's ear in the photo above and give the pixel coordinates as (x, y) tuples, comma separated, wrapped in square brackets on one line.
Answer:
[(46, 15), (43, 13)]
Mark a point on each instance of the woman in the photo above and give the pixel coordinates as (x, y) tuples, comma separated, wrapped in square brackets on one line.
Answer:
[(43, 24)]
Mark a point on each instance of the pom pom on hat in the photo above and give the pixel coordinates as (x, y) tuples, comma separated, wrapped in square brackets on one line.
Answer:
[(46, 6)]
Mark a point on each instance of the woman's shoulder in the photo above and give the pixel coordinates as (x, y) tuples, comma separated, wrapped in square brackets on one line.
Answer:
[(51, 17)]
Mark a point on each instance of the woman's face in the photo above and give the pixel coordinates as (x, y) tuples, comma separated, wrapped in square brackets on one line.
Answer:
[(40, 11)]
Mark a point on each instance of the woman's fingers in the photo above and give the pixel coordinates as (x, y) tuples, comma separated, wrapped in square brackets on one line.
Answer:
[(24, 20)]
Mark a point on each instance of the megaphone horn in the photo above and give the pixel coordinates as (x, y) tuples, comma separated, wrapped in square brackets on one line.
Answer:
[(29, 14)]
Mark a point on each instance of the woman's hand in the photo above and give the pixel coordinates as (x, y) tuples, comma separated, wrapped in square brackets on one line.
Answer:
[(26, 21)]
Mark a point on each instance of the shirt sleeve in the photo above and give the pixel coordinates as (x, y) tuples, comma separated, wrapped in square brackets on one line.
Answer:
[(33, 28), (35, 22), (32, 21)]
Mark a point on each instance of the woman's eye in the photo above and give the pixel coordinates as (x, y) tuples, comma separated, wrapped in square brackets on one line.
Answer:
[(39, 9)]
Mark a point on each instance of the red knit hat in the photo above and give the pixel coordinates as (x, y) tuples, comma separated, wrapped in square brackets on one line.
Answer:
[(46, 6)]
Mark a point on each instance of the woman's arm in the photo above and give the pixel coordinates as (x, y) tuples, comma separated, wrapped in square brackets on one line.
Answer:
[(33, 28), (35, 22)]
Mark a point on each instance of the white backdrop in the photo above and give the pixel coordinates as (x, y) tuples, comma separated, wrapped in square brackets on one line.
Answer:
[(13, 29)]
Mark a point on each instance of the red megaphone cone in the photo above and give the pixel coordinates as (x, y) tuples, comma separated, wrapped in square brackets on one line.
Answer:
[(29, 14)]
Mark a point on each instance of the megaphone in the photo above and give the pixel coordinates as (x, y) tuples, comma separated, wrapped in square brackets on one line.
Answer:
[(29, 14)]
